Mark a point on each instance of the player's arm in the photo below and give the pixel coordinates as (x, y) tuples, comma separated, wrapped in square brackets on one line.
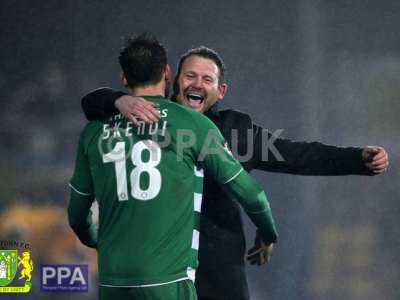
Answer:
[(103, 103), (254, 202), (80, 218), (276, 154), (225, 169), (81, 199)]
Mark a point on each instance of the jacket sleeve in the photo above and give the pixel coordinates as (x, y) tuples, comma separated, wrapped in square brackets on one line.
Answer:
[(305, 158), (99, 104)]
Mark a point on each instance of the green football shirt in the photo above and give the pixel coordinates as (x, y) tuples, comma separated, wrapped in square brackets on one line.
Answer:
[(147, 180)]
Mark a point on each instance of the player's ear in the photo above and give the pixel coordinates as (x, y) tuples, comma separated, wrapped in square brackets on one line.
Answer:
[(168, 73), (222, 88), (123, 79)]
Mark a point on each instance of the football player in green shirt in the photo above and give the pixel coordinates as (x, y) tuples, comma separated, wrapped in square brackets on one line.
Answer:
[(148, 180)]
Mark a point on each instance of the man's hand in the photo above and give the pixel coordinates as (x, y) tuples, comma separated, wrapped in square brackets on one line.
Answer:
[(376, 159), (134, 108), (261, 253)]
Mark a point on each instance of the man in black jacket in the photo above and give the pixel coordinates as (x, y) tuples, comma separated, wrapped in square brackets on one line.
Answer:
[(200, 84)]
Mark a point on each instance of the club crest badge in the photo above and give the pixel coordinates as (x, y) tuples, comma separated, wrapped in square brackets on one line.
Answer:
[(15, 271)]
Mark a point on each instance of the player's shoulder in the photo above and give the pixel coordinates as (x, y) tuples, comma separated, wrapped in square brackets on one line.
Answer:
[(172, 107), (200, 120), (92, 127), (177, 107), (192, 117), (91, 130)]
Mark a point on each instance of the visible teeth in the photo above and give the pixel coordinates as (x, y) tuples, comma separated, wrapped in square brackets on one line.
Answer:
[(195, 97)]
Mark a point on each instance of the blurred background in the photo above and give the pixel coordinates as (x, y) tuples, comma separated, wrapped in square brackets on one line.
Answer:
[(324, 71)]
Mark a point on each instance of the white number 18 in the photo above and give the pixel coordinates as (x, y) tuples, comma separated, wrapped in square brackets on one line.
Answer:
[(117, 156)]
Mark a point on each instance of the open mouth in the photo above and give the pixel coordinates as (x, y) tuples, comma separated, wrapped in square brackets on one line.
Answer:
[(195, 100), (195, 97)]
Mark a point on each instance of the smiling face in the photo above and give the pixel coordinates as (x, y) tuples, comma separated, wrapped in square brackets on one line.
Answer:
[(199, 86)]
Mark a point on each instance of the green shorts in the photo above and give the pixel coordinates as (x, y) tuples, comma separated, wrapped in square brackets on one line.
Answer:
[(181, 290)]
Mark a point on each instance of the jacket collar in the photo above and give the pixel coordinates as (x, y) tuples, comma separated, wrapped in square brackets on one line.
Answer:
[(213, 112)]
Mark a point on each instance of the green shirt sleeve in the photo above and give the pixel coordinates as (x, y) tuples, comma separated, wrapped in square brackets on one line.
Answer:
[(81, 199), (219, 162), (255, 203), (81, 181), (213, 152)]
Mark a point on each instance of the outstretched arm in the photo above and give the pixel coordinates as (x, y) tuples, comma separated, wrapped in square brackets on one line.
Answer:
[(313, 158)]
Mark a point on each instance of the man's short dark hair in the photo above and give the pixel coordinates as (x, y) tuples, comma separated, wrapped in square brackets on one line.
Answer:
[(204, 52), (143, 60)]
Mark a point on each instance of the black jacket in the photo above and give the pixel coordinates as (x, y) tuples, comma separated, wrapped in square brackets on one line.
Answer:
[(221, 273)]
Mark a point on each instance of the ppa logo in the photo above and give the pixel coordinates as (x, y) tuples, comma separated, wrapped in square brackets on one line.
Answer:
[(64, 278)]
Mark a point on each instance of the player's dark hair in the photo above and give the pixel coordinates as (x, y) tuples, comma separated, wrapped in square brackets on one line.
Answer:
[(204, 52), (143, 60)]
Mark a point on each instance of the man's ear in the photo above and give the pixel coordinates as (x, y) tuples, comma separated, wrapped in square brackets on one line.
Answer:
[(123, 79), (168, 73), (222, 89)]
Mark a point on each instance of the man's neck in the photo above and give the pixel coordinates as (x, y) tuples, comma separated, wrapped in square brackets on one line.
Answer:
[(150, 90)]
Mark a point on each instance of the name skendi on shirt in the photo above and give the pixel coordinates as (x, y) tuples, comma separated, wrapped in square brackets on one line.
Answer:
[(141, 129)]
